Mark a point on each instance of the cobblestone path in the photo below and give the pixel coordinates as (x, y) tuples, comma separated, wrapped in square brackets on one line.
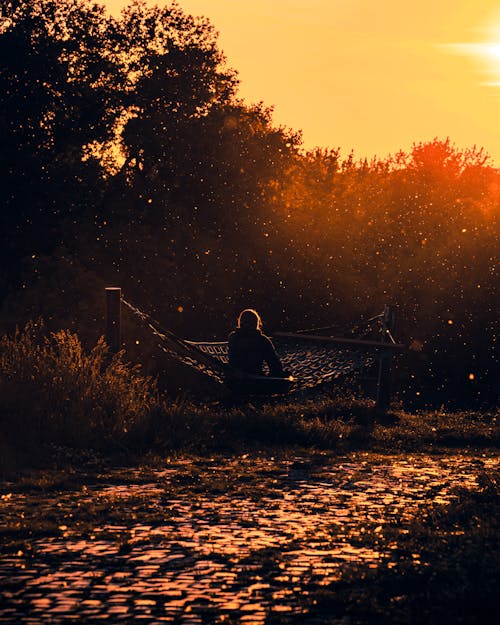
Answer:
[(217, 540)]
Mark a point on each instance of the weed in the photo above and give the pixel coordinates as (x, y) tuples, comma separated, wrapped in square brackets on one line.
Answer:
[(53, 391)]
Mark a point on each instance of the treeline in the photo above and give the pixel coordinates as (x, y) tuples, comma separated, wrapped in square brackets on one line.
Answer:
[(128, 158)]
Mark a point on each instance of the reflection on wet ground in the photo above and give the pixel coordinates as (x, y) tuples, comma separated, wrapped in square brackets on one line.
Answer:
[(240, 539)]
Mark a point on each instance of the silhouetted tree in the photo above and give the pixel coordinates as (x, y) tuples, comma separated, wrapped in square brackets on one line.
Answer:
[(56, 98)]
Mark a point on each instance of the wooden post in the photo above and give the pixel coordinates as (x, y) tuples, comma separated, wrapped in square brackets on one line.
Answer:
[(385, 357), (113, 318)]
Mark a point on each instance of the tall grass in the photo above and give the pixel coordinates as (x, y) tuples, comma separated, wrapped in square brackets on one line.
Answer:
[(52, 390)]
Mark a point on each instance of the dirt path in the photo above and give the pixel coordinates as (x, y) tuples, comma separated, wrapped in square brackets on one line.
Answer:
[(250, 539)]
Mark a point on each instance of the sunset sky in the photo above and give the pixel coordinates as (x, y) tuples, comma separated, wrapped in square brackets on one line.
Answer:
[(374, 77)]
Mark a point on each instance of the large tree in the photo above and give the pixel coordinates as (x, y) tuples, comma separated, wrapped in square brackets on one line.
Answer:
[(199, 167), (57, 97)]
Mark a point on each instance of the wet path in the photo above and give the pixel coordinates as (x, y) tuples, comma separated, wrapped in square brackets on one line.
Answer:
[(213, 540)]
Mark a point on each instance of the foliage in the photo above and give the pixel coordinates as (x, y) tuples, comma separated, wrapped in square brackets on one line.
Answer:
[(52, 390), (55, 98), (418, 230)]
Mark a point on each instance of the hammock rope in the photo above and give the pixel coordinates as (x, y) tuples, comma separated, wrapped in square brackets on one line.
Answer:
[(308, 362)]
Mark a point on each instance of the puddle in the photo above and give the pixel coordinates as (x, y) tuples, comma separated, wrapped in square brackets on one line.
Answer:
[(195, 544)]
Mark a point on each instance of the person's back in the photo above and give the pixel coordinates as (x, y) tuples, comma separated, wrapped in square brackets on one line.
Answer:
[(249, 349)]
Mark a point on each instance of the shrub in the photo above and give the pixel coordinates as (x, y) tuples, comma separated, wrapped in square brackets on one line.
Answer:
[(52, 390)]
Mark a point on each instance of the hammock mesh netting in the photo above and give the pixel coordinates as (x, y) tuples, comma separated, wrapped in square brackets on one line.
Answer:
[(308, 363)]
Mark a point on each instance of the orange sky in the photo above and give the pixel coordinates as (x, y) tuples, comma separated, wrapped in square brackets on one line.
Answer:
[(364, 75)]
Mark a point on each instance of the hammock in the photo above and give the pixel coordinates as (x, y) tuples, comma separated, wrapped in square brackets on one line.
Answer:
[(308, 360)]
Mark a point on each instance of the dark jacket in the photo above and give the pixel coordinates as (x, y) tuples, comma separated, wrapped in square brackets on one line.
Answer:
[(249, 350)]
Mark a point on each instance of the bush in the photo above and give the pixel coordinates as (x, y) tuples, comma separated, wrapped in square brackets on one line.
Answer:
[(52, 390)]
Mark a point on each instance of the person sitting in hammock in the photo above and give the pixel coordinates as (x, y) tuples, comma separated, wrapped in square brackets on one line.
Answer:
[(249, 349)]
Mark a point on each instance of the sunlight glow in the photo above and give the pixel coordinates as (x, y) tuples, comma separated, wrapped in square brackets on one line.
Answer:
[(487, 54)]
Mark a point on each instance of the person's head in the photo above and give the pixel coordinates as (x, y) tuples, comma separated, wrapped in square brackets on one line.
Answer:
[(249, 319)]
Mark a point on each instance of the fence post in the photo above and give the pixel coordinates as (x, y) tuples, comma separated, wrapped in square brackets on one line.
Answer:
[(113, 318), (385, 357)]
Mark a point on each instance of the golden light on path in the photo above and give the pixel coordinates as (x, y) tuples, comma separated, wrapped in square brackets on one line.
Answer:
[(239, 537)]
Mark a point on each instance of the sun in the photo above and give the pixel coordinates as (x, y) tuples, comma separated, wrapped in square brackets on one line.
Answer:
[(486, 54), (489, 54), (490, 50)]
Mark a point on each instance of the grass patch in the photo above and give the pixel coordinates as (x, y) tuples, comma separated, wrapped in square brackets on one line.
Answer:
[(323, 423), (447, 572), (58, 401)]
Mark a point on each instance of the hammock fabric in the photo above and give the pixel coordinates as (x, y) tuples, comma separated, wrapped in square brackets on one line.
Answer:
[(307, 363)]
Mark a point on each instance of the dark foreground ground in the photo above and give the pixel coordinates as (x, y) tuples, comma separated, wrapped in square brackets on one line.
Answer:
[(297, 536)]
